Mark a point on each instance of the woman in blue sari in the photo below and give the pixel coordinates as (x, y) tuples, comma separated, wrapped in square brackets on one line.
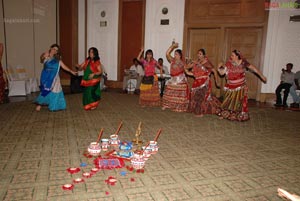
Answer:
[(51, 91)]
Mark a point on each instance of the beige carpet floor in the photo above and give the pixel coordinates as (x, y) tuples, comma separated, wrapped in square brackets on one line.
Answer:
[(198, 159)]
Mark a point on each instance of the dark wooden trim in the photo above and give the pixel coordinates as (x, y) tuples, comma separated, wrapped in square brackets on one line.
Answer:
[(68, 32), (143, 21), (85, 25), (119, 77), (57, 20), (75, 33), (4, 32)]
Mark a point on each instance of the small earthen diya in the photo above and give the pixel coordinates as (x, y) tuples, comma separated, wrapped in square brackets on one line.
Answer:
[(73, 170), (68, 187)]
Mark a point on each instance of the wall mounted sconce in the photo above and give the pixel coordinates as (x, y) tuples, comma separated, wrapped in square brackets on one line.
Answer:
[(164, 10), (103, 13)]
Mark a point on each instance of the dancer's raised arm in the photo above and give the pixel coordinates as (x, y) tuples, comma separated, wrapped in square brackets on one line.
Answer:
[(140, 54), (170, 50)]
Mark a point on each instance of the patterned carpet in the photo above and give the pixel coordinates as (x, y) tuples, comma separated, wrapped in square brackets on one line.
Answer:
[(198, 158)]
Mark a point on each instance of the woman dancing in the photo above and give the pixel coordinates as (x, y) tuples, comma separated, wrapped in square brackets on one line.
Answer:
[(235, 102), (51, 91), (149, 91), (91, 79), (176, 94), (202, 101)]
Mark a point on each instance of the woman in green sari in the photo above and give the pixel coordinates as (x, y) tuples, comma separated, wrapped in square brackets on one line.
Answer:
[(91, 79)]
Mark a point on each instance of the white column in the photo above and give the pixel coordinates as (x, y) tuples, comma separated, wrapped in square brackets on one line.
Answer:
[(282, 46), (159, 37)]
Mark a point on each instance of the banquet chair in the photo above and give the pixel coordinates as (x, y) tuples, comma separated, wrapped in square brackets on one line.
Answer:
[(32, 86), (16, 85)]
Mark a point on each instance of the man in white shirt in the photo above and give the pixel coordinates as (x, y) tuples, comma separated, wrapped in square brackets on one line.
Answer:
[(165, 69), (162, 79), (286, 81), (136, 71), (103, 80), (293, 89)]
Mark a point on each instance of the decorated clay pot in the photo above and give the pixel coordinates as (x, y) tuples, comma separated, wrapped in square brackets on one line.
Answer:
[(94, 148), (153, 146), (146, 152), (104, 144), (114, 139), (138, 161)]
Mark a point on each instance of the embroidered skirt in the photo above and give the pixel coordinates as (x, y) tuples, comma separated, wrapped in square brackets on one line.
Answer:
[(149, 95), (176, 97), (235, 104), (202, 102)]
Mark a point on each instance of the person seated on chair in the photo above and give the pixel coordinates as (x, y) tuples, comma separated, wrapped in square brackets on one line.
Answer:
[(161, 79), (165, 69), (286, 81), (103, 80), (293, 89), (136, 72)]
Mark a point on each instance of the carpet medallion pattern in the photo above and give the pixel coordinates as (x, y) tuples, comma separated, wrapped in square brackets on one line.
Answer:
[(198, 159)]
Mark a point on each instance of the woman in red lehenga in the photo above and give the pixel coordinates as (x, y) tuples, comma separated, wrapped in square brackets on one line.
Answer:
[(2, 81), (235, 103), (202, 101), (149, 91), (176, 94)]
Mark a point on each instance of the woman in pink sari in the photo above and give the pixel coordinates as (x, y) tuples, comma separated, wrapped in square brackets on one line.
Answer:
[(202, 101)]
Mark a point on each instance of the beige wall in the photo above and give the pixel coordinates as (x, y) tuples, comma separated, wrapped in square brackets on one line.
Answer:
[(283, 46), (104, 38), (30, 29), (159, 37), (44, 30)]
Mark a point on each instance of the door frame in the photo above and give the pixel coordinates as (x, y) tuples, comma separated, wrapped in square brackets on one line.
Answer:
[(119, 77)]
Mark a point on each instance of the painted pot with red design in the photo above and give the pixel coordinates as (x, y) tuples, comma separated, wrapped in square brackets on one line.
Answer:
[(104, 144), (146, 152), (94, 149), (114, 139), (153, 146), (138, 161)]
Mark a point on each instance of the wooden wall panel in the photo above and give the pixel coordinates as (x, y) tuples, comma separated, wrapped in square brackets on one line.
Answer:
[(225, 11), (248, 41), (209, 39), (241, 24), (132, 30), (68, 35)]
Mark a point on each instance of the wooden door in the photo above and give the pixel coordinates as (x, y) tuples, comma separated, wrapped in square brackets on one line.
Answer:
[(209, 40), (132, 31), (68, 35), (248, 41)]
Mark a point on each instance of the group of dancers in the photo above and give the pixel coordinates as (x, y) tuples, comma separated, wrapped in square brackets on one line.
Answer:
[(198, 99), (51, 94), (178, 96)]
